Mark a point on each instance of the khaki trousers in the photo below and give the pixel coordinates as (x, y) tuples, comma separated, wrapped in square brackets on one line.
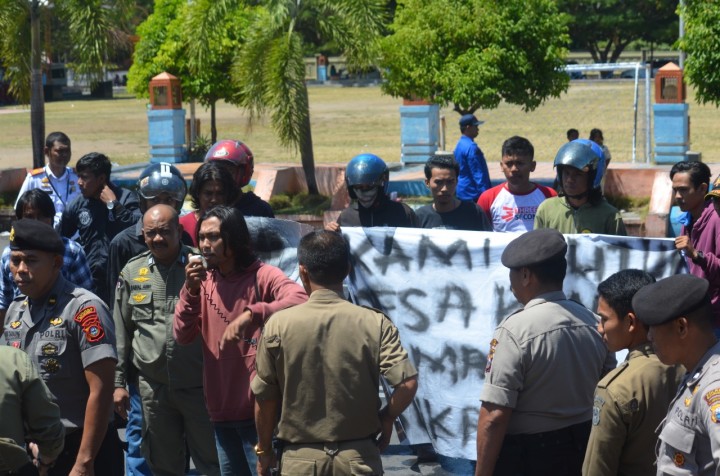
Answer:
[(348, 458), (171, 417)]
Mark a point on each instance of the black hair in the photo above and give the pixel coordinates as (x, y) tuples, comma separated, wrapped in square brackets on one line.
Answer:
[(56, 137), (595, 133), (552, 271), (699, 172), (326, 257), (209, 172), (234, 233), (38, 200), (619, 289), (703, 315), (518, 146), (441, 162), (572, 134), (96, 163)]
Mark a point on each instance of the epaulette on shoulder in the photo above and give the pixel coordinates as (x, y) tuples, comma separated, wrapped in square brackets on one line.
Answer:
[(37, 171), (613, 375)]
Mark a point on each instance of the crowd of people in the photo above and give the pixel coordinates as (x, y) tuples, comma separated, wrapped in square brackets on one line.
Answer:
[(118, 309)]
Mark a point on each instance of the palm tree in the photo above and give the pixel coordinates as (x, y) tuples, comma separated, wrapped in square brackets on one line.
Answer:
[(92, 25), (269, 69)]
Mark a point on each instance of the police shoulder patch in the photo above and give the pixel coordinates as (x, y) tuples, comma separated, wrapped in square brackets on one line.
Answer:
[(37, 171), (712, 397), (491, 355), (89, 320)]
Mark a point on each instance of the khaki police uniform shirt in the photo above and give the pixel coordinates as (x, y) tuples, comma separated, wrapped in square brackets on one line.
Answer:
[(689, 441), (27, 411), (544, 363), (63, 334), (630, 403), (145, 299), (323, 359)]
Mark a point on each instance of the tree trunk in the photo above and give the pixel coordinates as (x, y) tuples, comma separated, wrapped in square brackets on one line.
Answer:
[(213, 125), (37, 99), (307, 157)]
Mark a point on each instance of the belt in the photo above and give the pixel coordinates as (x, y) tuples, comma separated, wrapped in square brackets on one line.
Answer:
[(569, 434)]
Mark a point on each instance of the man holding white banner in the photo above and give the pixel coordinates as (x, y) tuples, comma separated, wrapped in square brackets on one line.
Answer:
[(535, 414)]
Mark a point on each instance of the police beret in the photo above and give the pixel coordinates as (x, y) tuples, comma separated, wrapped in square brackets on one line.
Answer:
[(669, 298), (533, 248), (27, 234)]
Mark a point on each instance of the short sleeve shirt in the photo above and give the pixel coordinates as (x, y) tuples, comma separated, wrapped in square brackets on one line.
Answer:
[(64, 333), (522, 371), (689, 440)]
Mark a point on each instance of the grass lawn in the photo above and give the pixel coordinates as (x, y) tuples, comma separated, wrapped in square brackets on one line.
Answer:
[(348, 121)]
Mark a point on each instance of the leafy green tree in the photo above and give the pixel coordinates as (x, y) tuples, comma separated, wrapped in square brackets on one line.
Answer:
[(270, 71), (92, 26), (606, 27), (168, 42), (476, 53), (702, 45)]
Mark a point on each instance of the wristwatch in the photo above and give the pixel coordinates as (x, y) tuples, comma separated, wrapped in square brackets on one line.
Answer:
[(112, 205), (699, 257), (258, 451)]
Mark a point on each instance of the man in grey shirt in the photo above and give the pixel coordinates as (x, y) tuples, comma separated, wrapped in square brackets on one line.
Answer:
[(544, 363)]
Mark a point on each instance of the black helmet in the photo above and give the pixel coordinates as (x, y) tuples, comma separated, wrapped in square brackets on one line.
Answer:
[(162, 178)]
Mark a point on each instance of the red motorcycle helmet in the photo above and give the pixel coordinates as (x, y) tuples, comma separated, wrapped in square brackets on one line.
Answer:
[(237, 156)]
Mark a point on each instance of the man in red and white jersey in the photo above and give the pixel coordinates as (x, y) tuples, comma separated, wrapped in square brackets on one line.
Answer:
[(511, 206)]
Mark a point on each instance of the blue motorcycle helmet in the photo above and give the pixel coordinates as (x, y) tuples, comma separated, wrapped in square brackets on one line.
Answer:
[(369, 170), (581, 155)]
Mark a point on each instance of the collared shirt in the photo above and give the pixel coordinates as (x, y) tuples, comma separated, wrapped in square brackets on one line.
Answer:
[(63, 333), (474, 177), (97, 226), (145, 300), (75, 269), (523, 372), (689, 440), (350, 347), (62, 190), (630, 402), (601, 218)]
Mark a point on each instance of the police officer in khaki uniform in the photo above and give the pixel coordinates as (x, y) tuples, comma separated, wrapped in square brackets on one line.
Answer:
[(27, 414), (318, 369), (678, 311), (631, 400), (69, 335), (170, 375), (544, 363)]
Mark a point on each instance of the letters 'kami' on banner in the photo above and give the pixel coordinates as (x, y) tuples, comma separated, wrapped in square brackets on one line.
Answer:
[(447, 291)]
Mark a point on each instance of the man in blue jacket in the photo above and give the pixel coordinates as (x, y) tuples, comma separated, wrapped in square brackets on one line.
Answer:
[(474, 178)]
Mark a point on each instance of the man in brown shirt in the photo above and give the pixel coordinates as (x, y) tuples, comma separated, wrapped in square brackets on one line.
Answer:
[(321, 362)]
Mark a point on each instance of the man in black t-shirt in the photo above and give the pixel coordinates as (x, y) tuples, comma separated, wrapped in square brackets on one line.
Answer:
[(447, 211), (367, 178)]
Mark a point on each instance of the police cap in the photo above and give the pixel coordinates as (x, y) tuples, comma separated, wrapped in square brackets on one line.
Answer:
[(670, 298), (533, 248), (28, 234)]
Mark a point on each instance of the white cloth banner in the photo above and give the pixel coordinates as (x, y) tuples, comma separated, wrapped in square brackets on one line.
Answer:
[(446, 291)]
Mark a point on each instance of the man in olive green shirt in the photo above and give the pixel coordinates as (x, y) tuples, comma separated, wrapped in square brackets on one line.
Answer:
[(322, 361), (632, 400), (580, 206), (170, 375), (27, 414)]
